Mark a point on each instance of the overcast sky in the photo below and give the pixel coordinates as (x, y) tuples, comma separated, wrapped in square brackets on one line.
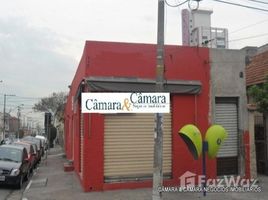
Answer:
[(41, 41)]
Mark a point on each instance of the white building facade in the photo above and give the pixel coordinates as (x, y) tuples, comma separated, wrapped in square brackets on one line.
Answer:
[(197, 30)]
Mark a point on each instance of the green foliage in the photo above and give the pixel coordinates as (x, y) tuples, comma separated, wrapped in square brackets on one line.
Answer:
[(259, 93), (54, 104)]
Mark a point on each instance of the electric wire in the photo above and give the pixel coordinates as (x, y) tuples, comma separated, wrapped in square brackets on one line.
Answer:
[(12, 104), (190, 6), (241, 5), (239, 39), (248, 26), (250, 37), (256, 1), (177, 5), (23, 97)]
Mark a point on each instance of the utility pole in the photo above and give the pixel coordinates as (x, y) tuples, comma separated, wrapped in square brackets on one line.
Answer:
[(158, 139), (18, 114), (4, 117)]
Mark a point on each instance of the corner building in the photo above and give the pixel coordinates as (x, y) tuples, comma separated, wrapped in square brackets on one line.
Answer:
[(115, 151)]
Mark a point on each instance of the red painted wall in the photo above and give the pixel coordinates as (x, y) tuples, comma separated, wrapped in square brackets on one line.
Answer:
[(94, 151), (69, 115), (139, 60), (120, 59)]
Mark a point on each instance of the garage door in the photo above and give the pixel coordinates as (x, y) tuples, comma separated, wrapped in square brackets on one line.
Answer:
[(227, 116), (129, 146)]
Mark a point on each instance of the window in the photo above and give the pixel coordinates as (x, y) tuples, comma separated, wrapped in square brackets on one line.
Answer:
[(221, 46)]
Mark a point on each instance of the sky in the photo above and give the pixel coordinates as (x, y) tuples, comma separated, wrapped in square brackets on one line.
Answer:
[(41, 41)]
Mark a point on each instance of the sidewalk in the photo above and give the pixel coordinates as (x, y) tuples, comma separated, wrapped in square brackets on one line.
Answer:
[(52, 183)]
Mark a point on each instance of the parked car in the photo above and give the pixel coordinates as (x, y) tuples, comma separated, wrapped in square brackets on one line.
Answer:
[(37, 155), (36, 145), (14, 165), (44, 141), (31, 153), (38, 142), (6, 141)]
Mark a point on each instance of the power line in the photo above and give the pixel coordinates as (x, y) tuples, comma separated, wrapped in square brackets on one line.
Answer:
[(14, 103), (241, 5), (242, 28), (23, 97), (177, 5), (27, 101), (256, 1), (189, 4), (245, 38), (234, 40), (33, 98)]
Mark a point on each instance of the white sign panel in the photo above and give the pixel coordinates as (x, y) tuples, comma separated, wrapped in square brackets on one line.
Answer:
[(135, 102)]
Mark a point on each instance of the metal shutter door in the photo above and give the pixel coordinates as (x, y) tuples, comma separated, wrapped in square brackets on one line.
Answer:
[(227, 116), (129, 144)]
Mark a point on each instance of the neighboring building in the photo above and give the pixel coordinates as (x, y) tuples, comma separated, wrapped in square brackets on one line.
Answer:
[(115, 151), (197, 30), (229, 108), (7, 125), (11, 126), (256, 72)]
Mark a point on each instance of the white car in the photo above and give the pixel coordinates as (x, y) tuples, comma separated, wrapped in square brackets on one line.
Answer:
[(44, 141)]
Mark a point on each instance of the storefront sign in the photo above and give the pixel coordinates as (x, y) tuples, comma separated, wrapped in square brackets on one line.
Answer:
[(135, 102)]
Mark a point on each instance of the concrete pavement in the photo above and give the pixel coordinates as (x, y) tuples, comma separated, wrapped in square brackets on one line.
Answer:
[(51, 183)]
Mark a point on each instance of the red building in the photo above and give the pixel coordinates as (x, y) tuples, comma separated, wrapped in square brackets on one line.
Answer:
[(112, 151)]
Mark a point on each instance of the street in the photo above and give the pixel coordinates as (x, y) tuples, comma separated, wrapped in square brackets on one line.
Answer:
[(9, 192), (6, 191), (65, 185)]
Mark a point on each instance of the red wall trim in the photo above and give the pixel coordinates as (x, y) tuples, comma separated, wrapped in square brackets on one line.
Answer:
[(247, 154), (94, 154)]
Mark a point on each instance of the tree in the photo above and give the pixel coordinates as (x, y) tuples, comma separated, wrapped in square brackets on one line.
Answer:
[(259, 93), (54, 104)]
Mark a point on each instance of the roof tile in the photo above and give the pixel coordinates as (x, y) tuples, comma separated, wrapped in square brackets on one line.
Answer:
[(257, 70)]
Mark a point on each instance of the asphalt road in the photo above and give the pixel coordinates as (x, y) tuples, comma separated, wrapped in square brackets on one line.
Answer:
[(6, 191)]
